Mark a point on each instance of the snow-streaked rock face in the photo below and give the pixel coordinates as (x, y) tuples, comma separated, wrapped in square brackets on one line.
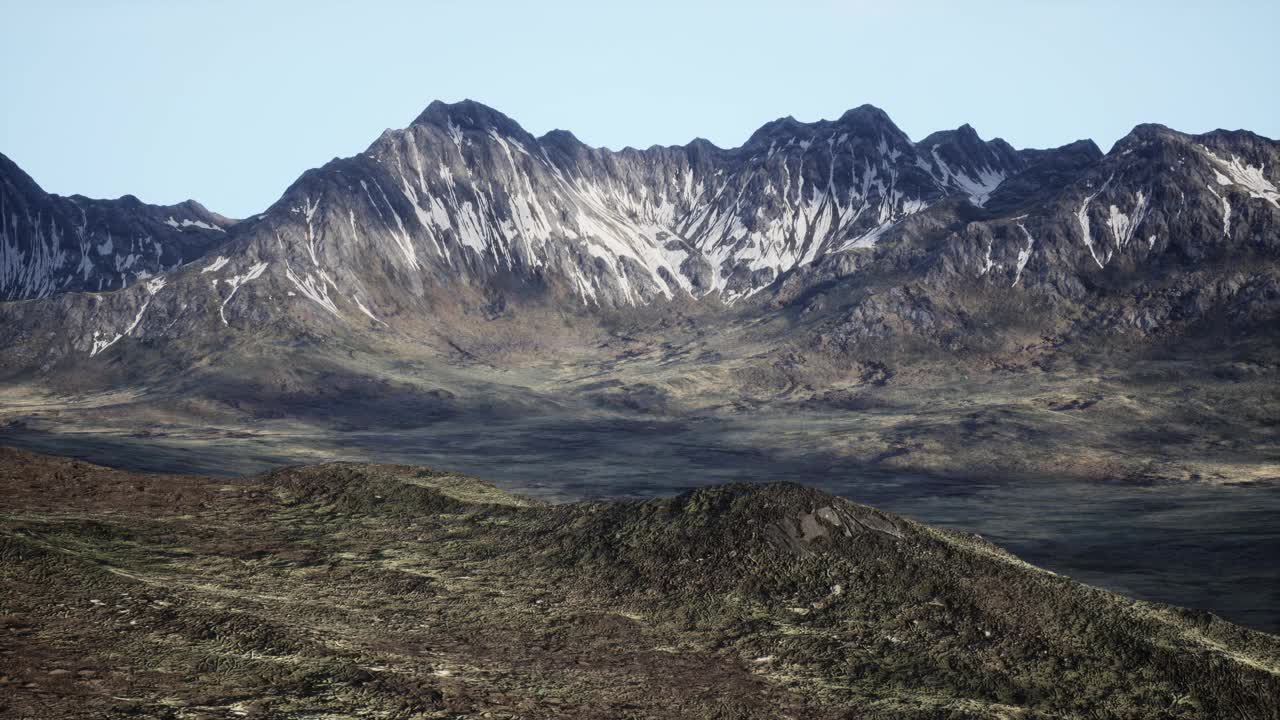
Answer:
[(465, 193), (960, 161), (51, 244), (465, 200), (1160, 201), (1159, 192)]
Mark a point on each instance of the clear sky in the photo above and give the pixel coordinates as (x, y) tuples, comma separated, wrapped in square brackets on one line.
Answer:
[(228, 102)]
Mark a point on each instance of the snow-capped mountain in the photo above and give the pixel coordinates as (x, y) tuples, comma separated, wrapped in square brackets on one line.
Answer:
[(51, 244), (465, 204), (1164, 232), (464, 192), (1159, 200)]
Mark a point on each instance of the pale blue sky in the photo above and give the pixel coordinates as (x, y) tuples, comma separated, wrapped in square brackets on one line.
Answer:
[(228, 102)]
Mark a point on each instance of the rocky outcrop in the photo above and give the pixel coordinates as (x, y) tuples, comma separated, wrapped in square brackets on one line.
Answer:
[(454, 598)]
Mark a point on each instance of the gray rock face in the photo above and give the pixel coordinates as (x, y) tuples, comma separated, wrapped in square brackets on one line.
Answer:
[(1166, 231), (465, 198), (51, 244), (464, 192), (1160, 201)]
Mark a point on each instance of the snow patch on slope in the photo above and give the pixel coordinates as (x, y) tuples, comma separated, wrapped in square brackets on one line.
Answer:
[(155, 285), (1082, 216), (315, 287), (101, 344), (1251, 178), (1226, 210), (365, 310), (978, 189), (186, 223), (216, 265), (236, 282), (1023, 255), (1124, 226)]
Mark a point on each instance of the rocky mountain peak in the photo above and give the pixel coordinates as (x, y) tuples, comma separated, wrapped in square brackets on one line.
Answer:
[(1147, 135), (560, 137), (863, 123), (867, 115), (467, 116), (772, 130), (14, 178), (702, 146), (1085, 148)]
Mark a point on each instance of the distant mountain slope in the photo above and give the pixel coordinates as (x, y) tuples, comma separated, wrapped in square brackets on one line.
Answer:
[(52, 244), (394, 591), (1166, 234), (464, 215), (465, 192), (1160, 198)]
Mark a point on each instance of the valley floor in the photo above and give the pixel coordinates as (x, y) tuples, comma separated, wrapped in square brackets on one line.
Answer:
[(1160, 480)]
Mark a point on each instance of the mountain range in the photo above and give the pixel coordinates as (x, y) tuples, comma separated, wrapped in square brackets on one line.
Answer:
[(1073, 352), (950, 305), (848, 220)]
